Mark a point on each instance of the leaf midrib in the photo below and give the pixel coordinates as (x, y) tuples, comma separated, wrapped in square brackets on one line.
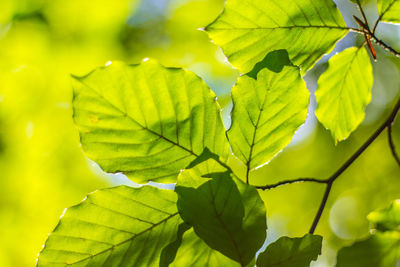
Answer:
[(283, 27)]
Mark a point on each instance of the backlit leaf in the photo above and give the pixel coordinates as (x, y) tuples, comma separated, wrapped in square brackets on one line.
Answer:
[(289, 252), (225, 213), (386, 219), (194, 252), (248, 30), (389, 10), (145, 120), (344, 90), (120, 226), (266, 114)]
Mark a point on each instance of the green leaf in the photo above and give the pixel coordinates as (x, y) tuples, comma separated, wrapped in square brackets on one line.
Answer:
[(120, 226), (379, 250), (168, 254), (344, 90), (389, 10), (288, 252), (387, 219), (274, 61), (248, 30), (266, 114), (147, 121), (194, 252), (224, 212)]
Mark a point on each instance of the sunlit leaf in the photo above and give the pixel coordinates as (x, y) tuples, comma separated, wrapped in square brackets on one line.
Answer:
[(344, 90), (288, 252), (226, 213), (387, 219), (379, 250), (248, 30), (120, 226), (147, 121), (274, 61), (266, 114), (168, 254), (389, 10), (194, 252)]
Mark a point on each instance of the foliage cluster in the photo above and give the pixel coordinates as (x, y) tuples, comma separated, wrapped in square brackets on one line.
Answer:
[(160, 124)]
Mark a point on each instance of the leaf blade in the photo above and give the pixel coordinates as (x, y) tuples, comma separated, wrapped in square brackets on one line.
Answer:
[(266, 114), (109, 226), (232, 218), (145, 120), (287, 252), (307, 30), (389, 10), (342, 95)]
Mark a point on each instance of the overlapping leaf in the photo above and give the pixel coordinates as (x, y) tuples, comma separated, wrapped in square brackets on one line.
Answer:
[(379, 250), (389, 10), (288, 252), (145, 120), (225, 213), (120, 226), (248, 30), (344, 90), (266, 114), (194, 252)]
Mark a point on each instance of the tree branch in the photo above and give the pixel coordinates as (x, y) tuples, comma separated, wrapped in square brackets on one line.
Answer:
[(392, 146), (267, 187), (386, 124)]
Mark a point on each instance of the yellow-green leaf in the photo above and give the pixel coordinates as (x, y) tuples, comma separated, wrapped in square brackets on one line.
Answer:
[(389, 10), (387, 219), (120, 226), (147, 121), (194, 252), (266, 114), (290, 252), (248, 30), (344, 90)]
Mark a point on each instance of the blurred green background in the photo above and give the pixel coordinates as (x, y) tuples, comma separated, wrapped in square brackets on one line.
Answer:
[(43, 169)]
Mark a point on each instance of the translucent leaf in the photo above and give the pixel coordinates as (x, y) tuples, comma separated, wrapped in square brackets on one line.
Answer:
[(389, 10), (194, 252), (248, 30), (344, 90), (379, 250), (288, 252), (387, 219), (145, 120), (168, 254), (266, 114), (225, 213), (120, 226)]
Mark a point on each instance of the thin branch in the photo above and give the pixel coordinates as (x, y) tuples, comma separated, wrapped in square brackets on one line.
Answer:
[(363, 14), (387, 123), (384, 45), (321, 208), (376, 24), (285, 182), (392, 146)]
